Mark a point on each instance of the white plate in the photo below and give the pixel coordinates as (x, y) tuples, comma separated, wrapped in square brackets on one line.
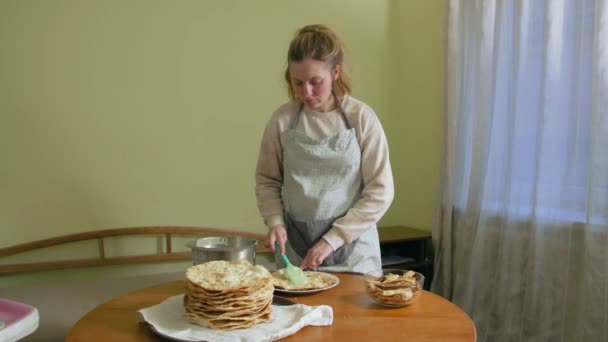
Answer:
[(333, 277)]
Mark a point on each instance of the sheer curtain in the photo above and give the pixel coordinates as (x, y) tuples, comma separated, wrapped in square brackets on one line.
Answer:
[(521, 237)]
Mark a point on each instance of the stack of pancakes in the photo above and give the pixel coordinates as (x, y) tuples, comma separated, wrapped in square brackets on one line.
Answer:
[(228, 295)]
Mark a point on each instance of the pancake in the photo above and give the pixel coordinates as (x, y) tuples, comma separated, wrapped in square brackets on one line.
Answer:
[(314, 281)]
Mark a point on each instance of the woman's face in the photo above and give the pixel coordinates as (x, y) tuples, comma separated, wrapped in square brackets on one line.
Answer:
[(311, 81)]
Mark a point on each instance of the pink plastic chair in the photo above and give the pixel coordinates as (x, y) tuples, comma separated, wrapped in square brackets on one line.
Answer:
[(17, 320)]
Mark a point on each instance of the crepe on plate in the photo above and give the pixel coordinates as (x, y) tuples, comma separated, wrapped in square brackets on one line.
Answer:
[(314, 281)]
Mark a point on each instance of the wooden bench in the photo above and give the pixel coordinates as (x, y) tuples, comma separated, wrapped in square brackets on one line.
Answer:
[(102, 259)]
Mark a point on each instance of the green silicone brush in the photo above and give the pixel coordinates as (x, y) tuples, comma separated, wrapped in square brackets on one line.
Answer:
[(295, 274)]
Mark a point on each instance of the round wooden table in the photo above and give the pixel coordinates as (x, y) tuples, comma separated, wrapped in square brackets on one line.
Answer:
[(356, 318)]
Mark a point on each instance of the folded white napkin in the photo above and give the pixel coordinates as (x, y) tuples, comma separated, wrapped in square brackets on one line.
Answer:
[(167, 319)]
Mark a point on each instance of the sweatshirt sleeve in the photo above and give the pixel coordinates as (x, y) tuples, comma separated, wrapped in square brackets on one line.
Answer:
[(269, 176), (378, 190)]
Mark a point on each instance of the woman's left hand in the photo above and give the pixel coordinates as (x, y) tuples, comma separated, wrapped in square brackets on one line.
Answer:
[(316, 255)]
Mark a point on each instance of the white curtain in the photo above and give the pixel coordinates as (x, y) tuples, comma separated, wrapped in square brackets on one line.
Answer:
[(521, 237)]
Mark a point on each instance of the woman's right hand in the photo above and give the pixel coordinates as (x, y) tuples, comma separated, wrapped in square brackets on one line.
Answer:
[(277, 233)]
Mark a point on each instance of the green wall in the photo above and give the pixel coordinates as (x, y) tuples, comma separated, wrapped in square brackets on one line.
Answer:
[(117, 113), (416, 107)]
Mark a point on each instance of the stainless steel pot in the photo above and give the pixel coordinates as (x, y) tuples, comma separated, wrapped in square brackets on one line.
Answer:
[(222, 248)]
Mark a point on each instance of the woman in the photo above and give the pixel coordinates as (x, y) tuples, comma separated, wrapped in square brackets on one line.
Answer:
[(323, 177)]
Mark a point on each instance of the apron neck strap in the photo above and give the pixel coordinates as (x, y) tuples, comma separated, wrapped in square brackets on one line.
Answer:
[(294, 123), (339, 102)]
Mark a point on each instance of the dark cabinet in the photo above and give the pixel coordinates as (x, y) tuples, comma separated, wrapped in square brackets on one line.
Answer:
[(407, 248)]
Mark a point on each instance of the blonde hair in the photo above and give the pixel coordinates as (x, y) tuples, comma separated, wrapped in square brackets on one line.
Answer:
[(320, 43)]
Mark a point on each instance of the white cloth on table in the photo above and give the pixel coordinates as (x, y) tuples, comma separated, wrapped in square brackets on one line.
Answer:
[(167, 319)]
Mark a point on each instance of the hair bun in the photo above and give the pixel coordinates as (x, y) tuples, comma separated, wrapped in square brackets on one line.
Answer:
[(312, 29)]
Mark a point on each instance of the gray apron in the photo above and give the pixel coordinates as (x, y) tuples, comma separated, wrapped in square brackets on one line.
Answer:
[(322, 180)]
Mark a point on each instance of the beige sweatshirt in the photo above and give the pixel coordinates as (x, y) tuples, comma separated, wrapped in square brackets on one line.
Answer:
[(376, 171)]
